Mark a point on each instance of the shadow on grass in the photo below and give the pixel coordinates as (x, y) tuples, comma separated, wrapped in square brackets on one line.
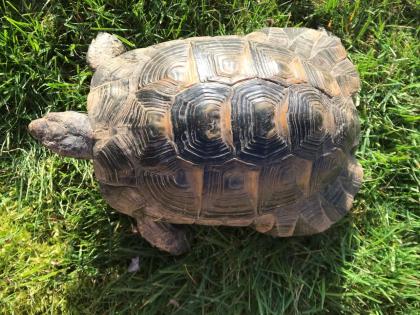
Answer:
[(228, 270)]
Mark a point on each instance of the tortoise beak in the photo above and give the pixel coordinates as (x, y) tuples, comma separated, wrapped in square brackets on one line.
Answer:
[(37, 128)]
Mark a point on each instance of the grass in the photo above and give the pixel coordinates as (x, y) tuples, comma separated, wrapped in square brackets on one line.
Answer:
[(64, 251)]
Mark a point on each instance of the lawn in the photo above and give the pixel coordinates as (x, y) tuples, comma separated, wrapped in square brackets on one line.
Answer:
[(64, 251)]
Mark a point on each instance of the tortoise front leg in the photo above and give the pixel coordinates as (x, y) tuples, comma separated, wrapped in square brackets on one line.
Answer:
[(162, 235)]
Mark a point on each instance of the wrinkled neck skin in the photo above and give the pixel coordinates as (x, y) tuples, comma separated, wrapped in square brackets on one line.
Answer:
[(66, 133)]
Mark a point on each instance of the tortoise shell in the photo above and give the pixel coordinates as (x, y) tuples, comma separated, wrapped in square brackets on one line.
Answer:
[(255, 130)]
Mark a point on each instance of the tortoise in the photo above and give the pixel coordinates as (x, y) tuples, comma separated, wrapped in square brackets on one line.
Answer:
[(257, 130)]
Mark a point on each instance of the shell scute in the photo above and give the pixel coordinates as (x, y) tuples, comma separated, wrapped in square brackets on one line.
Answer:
[(223, 60), (239, 130), (196, 116), (257, 135)]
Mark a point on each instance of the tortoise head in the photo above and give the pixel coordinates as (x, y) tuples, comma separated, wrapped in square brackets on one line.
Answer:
[(66, 133), (69, 133)]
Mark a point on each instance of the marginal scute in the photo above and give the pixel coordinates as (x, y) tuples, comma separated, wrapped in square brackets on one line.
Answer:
[(326, 169), (321, 79), (352, 176), (305, 217), (327, 52), (285, 221), (304, 43), (273, 34), (312, 218), (125, 199), (337, 195), (336, 199), (346, 135), (347, 77)]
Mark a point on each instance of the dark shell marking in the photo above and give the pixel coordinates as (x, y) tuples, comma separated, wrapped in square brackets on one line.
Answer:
[(255, 130)]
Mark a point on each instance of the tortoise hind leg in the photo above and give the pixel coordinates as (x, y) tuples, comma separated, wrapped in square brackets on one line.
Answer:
[(162, 235)]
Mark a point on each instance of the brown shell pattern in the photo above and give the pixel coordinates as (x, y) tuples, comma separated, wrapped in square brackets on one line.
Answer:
[(235, 130)]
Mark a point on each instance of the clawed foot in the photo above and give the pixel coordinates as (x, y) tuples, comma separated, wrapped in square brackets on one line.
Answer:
[(163, 235)]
